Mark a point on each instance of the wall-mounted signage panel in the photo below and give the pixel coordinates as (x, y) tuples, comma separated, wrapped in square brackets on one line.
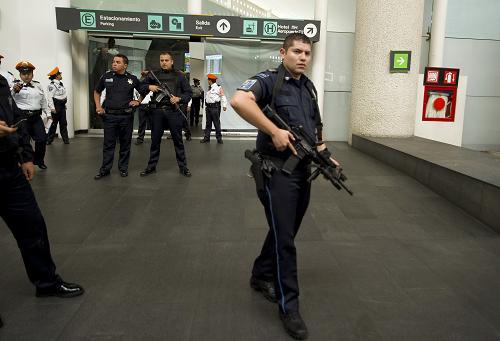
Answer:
[(180, 24)]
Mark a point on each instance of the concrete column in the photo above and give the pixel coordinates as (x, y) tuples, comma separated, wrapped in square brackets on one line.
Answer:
[(383, 103), (319, 52), (80, 53), (64, 61), (194, 6), (439, 9)]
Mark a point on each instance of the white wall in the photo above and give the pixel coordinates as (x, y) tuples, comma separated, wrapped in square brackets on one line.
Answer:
[(45, 47), (446, 132)]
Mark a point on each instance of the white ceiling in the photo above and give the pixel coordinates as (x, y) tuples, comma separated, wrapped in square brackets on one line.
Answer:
[(291, 9)]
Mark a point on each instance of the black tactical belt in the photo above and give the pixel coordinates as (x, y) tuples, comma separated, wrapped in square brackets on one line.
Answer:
[(126, 111), (213, 105), (31, 113), (159, 106)]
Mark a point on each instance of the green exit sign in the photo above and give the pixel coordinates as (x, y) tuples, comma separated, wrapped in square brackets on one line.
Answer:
[(400, 61)]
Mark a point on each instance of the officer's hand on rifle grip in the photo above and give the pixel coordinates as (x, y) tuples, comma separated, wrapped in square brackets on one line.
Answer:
[(154, 88), (174, 100), (282, 140)]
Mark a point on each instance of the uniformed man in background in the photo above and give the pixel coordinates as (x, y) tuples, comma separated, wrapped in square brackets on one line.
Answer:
[(31, 100), (57, 99), (117, 113), (18, 206), (285, 197), (214, 99), (144, 115), (165, 111), (196, 102)]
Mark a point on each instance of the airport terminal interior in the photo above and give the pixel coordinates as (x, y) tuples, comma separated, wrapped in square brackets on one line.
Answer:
[(409, 93)]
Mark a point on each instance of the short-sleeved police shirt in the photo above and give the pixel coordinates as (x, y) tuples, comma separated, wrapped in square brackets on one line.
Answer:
[(119, 89), (293, 103)]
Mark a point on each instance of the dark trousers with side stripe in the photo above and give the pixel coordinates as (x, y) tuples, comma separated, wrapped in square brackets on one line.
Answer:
[(212, 113), (285, 200), (20, 211), (36, 130), (161, 119), (59, 117), (116, 127)]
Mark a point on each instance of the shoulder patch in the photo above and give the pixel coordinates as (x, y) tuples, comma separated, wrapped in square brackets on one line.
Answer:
[(262, 75), (247, 84), (51, 87)]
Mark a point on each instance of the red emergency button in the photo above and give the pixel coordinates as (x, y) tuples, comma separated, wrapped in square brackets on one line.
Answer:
[(439, 104)]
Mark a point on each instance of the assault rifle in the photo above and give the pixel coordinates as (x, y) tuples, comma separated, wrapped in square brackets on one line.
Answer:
[(166, 92), (305, 146)]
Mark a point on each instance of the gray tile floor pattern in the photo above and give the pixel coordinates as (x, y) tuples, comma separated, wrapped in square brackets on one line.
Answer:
[(168, 258)]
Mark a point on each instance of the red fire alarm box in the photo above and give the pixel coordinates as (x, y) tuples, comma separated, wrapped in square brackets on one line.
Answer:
[(440, 94)]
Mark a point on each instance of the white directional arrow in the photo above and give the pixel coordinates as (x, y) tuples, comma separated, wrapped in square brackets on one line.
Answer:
[(401, 61), (223, 26), (310, 30)]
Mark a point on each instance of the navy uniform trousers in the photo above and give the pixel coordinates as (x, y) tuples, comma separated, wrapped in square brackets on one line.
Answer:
[(212, 113), (117, 127), (36, 130), (20, 211), (194, 115), (285, 199), (161, 119), (144, 121), (59, 117)]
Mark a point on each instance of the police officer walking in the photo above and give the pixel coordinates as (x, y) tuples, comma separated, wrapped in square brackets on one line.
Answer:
[(285, 197), (196, 102), (30, 98), (57, 104), (165, 111), (18, 206), (117, 113), (213, 100)]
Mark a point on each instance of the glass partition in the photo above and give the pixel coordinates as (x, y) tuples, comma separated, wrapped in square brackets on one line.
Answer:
[(142, 54), (236, 61)]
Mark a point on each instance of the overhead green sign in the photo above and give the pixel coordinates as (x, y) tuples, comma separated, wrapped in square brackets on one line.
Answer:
[(400, 61), (183, 24)]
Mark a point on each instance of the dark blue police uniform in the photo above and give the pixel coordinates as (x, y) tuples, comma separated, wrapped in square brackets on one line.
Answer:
[(164, 115), (18, 206), (118, 118), (285, 197)]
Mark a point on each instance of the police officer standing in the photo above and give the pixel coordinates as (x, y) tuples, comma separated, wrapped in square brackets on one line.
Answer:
[(196, 102), (18, 206), (117, 113), (214, 99), (165, 111), (285, 197), (30, 98), (57, 104)]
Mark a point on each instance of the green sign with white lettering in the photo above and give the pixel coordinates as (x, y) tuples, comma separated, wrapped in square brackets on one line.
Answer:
[(400, 61)]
